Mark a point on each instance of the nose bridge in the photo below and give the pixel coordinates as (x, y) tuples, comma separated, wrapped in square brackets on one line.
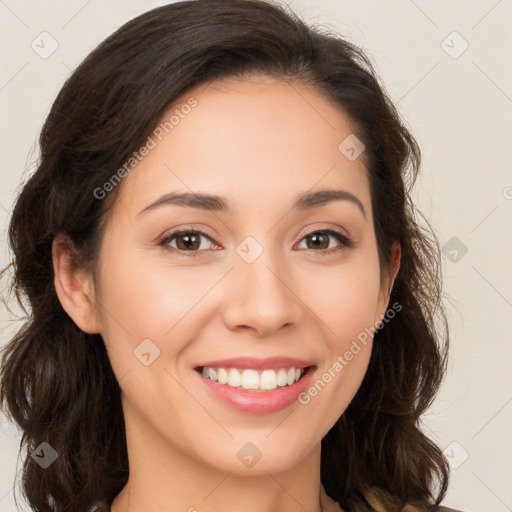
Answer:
[(262, 295)]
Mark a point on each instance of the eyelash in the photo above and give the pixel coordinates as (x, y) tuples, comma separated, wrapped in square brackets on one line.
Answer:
[(337, 234)]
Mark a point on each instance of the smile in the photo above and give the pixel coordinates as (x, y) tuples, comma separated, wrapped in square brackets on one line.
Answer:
[(266, 392), (251, 379)]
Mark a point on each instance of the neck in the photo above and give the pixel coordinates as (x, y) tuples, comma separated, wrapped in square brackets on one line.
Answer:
[(164, 477)]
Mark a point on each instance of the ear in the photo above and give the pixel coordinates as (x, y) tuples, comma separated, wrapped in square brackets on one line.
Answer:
[(74, 286), (389, 280)]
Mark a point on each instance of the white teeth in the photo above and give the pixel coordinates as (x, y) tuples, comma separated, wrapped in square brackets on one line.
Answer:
[(281, 377), (234, 378), (222, 376), (268, 379), (252, 379)]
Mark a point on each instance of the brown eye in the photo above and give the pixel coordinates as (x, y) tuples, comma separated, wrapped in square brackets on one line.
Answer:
[(187, 241), (320, 240)]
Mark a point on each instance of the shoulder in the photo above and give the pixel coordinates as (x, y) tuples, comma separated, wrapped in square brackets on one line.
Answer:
[(441, 508), (382, 501)]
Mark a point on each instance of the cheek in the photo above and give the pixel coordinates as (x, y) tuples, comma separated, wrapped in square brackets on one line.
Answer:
[(144, 298), (345, 298), (351, 310), (347, 311), (152, 301)]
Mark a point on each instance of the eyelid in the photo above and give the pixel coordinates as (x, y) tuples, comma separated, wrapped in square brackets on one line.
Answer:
[(338, 229), (186, 227)]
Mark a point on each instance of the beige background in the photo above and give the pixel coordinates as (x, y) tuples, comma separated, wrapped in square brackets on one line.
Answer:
[(457, 103)]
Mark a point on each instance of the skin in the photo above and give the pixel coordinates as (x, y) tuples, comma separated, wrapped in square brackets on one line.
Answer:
[(260, 143)]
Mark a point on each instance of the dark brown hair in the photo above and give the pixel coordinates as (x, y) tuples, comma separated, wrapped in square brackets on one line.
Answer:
[(57, 383)]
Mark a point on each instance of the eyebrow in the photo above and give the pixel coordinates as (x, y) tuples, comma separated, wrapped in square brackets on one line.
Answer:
[(215, 203)]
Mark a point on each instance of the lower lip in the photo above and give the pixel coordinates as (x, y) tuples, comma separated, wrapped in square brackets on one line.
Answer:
[(259, 402)]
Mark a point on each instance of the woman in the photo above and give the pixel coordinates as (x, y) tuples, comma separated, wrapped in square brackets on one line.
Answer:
[(232, 303)]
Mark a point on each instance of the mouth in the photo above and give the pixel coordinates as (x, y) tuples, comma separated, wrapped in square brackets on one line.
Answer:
[(256, 391), (255, 380)]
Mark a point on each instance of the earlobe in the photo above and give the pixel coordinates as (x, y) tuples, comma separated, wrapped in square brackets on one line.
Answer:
[(74, 286)]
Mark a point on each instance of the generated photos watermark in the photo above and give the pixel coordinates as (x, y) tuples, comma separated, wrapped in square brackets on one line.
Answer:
[(156, 136), (343, 360)]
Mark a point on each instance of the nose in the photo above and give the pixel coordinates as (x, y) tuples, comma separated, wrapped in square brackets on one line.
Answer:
[(261, 296)]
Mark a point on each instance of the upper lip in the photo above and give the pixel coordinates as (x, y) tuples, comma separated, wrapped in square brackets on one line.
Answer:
[(270, 363)]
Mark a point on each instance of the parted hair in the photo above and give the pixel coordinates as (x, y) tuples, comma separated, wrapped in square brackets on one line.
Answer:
[(56, 381)]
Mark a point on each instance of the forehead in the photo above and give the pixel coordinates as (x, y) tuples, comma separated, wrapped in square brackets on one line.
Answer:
[(257, 138)]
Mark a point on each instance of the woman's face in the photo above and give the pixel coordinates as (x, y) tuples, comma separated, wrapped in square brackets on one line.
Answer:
[(266, 279)]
